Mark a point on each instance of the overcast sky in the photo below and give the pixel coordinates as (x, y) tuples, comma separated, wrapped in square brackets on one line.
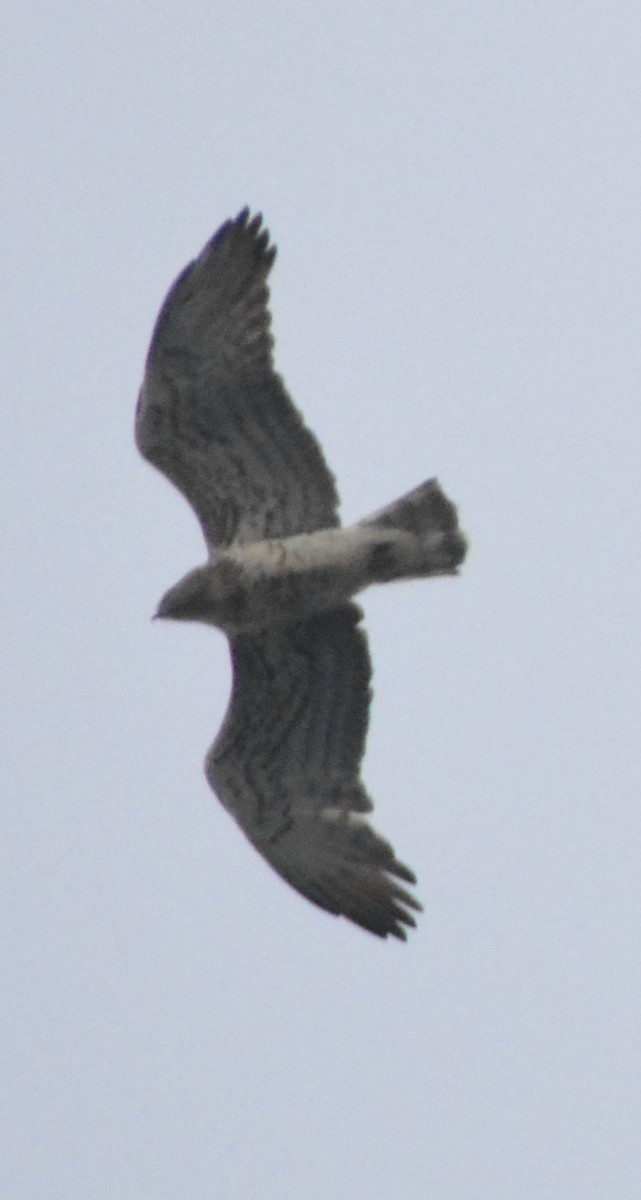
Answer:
[(454, 189)]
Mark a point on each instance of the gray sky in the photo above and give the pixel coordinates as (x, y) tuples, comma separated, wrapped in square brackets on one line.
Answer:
[(454, 190)]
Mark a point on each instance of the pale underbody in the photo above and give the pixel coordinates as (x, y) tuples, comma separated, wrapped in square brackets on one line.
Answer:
[(250, 587)]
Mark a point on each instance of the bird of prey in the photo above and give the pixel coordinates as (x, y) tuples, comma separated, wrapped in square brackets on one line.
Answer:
[(216, 419)]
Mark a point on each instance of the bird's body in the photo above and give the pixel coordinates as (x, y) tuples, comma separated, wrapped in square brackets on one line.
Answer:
[(216, 419), (247, 588)]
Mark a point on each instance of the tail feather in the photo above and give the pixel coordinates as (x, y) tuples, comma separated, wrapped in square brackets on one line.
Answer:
[(428, 514)]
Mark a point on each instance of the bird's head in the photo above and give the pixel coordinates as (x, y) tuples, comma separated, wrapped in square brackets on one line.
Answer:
[(212, 594), (190, 600)]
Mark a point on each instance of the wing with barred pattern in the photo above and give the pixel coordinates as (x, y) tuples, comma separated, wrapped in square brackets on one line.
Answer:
[(214, 416), (286, 764)]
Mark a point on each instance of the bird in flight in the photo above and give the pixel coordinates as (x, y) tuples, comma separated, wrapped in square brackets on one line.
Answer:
[(214, 416)]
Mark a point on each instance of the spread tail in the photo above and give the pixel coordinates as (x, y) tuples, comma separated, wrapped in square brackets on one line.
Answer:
[(426, 513)]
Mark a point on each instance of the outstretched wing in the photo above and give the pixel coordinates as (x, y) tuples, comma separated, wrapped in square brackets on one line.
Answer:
[(214, 416), (287, 766)]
